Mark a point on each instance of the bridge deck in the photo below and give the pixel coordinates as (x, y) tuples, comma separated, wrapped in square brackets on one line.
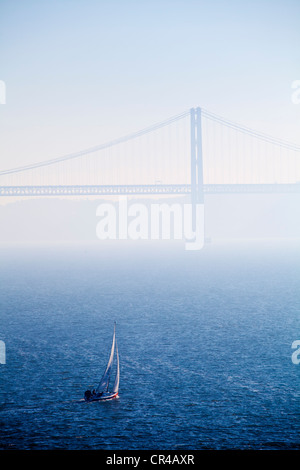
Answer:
[(78, 190)]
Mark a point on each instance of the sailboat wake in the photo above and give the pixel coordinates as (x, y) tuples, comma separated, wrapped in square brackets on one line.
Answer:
[(102, 393)]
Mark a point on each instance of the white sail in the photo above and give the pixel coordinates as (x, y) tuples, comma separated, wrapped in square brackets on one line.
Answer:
[(103, 385), (117, 379)]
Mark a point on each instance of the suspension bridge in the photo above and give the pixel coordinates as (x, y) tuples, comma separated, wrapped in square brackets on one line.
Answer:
[(194, 153)]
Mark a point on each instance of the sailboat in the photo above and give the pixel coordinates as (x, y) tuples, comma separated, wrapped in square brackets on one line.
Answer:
[(102, 392)]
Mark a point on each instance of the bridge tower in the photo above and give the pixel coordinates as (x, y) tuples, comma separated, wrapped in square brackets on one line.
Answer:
[(196, 157), (197, 195)]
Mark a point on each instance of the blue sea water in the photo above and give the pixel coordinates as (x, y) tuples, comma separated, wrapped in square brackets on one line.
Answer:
[(204, 341)]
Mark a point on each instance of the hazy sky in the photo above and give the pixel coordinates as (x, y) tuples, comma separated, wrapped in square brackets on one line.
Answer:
[(80, 72)]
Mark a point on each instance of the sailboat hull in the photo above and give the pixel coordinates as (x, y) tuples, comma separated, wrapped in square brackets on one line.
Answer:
[(103, 397)]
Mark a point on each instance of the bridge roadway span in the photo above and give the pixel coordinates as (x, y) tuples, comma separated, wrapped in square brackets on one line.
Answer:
[(99, 190)]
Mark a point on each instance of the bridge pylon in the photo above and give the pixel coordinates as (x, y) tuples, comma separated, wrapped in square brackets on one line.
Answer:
[(196, 156), (197, 193)]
